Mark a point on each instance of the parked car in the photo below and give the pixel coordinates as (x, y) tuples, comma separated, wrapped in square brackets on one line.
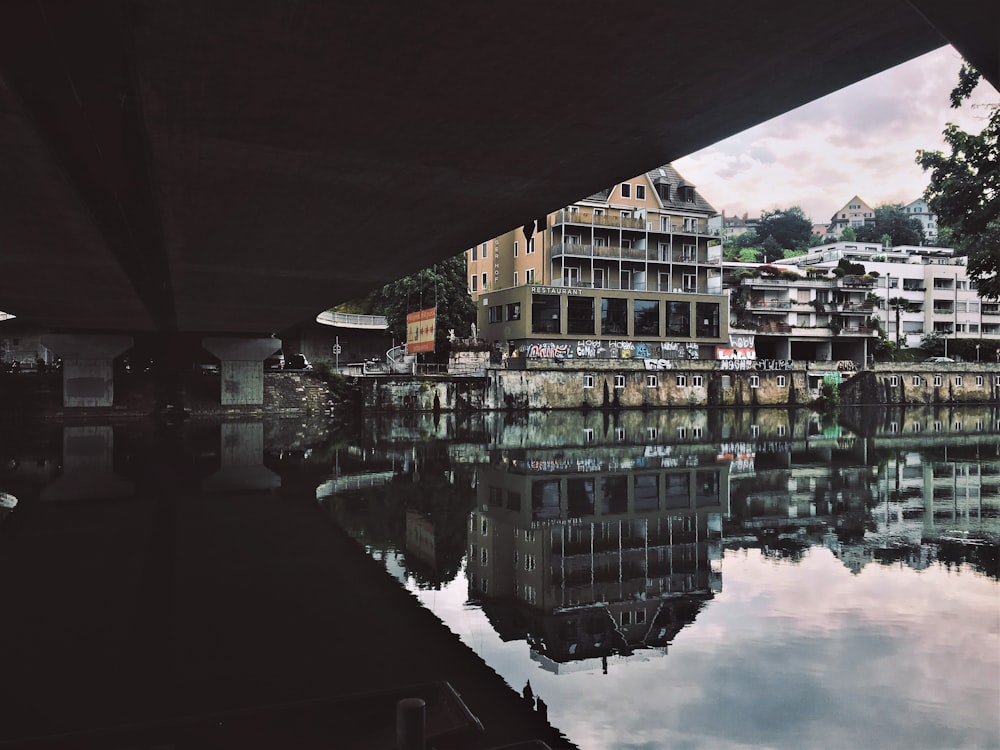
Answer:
[(939, 359), (297, 362), (275, 362)]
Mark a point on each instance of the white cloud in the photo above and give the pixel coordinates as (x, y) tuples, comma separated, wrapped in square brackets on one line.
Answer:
[(862, 140)]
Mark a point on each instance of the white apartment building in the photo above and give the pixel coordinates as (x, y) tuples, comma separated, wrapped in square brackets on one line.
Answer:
[(920, 211), (940, 296)]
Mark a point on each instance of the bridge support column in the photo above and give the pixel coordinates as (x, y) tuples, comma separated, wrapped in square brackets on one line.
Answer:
[(88, 366), (242, 467), (242, 368)]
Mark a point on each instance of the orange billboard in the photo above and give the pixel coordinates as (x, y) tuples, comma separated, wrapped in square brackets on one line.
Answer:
[(420, 329)]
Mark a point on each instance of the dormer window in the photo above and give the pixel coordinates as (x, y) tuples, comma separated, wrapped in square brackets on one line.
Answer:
[(626, 190)]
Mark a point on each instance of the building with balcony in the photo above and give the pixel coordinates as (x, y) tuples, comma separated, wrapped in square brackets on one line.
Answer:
[(635, 261), (798, 309)]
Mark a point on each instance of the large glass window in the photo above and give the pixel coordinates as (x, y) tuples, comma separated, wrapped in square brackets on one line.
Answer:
[(580, 315), (708, 320), (679, 319), (614, 316), (580, 497), (647, 317), (545, 313), (545, 499), (514, 311), (647, 492)]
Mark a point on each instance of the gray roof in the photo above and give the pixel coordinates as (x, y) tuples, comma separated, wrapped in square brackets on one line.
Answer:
[(667, 174)]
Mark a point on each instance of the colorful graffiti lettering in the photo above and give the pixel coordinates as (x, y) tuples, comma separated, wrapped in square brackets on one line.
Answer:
[(548, 350), (736, 364), (774, 364), (589, 348)]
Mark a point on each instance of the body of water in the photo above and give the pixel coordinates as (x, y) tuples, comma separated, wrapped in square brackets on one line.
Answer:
[(683, 579)]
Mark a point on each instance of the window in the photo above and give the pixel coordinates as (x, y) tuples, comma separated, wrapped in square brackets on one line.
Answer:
[(531, 246), (598, 278), (486, 251), (514, 311), (626, 190), (529, 562), (640, 192), (682, 433), (689, 282), (545, 313), (781, 430), (484, 556), (917, 427), (475, 283), (958, 380), (755, 430), (580, 315), (697, 432), (475, 253), (679, 319), (614, 316), (484, 528), (780, 381), (651, 381), (893, 381), (697, 381), (529, 276), (515, 278), (619, 381), (681, 381), (496, 314), (979, 379), (937, 425), (958, 426), (651, 433), (588, 435), (619, 434), (515, 248), (588, 381), (708, 320), (937, 380), (647, 317), (755, 381), (894, 427), (916, 380), (727, 381), (484, 281)]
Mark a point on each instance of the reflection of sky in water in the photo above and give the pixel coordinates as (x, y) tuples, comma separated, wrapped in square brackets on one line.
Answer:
[(787, 656)]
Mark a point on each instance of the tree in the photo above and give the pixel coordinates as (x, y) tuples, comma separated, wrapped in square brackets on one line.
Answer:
[(443, 285), (891, 221), (848, 235), (790, 228), (899, 304), (964, 189)]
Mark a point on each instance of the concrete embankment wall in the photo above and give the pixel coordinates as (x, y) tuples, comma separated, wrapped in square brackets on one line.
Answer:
[(924, 383), (682, 384)]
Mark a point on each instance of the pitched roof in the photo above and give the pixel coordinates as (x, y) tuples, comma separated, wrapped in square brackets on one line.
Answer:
[(670, 176)]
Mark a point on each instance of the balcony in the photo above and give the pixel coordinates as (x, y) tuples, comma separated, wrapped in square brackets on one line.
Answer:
[(598, 220), (856, 282), (773, 304), (584, 250)]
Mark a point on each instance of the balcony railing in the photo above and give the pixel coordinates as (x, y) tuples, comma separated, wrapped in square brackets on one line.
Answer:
[(651, 286)]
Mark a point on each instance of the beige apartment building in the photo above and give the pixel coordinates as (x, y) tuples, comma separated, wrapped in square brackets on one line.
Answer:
[(635, 262)]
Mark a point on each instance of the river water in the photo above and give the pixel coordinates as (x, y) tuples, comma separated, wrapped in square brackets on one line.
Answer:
[(684, 579)]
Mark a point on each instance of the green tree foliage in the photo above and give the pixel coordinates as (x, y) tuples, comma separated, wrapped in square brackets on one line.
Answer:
[(891, 221), (790, 229), (444, 284), (848, 235), (964, 190)]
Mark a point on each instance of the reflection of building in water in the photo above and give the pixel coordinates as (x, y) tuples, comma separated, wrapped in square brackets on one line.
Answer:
[(584, 562), (420, 538)]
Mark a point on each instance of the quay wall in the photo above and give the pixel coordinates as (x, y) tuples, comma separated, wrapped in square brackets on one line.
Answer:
[(680, 384), (924, 383)]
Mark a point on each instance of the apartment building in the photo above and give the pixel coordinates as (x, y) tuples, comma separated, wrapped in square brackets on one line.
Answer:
[(635, 261), (912, 290), (920, 211), (855, 213)]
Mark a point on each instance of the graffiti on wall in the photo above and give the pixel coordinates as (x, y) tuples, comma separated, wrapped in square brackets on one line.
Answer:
[(615, 349)]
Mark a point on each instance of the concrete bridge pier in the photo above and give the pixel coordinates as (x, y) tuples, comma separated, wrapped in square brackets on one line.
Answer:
[(242, 367), (88, 366), (242, 460)]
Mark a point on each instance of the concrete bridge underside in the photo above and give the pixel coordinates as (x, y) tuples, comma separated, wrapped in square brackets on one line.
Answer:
[(183, 165)]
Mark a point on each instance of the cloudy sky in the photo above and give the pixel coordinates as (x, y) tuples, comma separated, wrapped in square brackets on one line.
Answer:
[(861, 140)]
